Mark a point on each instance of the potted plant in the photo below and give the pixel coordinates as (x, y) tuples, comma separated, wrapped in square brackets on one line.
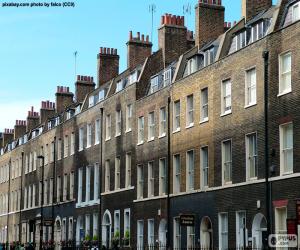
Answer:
[(95, 240), (116, 239), (87, 241), (126, 238)]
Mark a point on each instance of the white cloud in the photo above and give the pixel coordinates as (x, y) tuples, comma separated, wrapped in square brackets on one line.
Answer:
[(17, 110)]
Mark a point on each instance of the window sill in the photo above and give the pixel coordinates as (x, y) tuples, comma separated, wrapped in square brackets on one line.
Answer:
[(81, 149), (96, 143), (284, 93), (286, 173), (151, 139), (227, 183), (226, 113), (176, 131), (162, 136), (190, 126), (107, 139), (252, 179), (250, 105), (127, 131), (204, 121), (117, 135), (88, 146), (140, 143)]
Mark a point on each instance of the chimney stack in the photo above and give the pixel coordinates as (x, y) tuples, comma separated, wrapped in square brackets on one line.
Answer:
[(33, 119), (138, 49), (20, 129), (251, 8), (64, 98), (172, 37), (84, 85), (209, 21), (107, 65), (8, 136), (47, 111)]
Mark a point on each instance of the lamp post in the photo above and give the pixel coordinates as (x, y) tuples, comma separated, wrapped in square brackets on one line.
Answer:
[(42, 200)]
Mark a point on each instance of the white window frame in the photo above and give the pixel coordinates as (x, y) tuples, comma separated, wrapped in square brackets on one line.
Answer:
[(295, 17), (151, 126), (162, 122), (177, 233), (251, 158), (278, 229), (204, 166), (140, 182), (118, 123), (190, 172), (176, 116), (221, 232), (239, 231), (224, 96), (229, 163), (249, 86), (190, 237), (128, 170), (151, 236), (281, 73), (97, 131), (72, 150), (117, 172), (117, 224), (283, 170), (162, 176), (80, 136), (66, 146), (176, 174), (108, 127), (151, 179), (141, 129), (204, 105), (189, 111), (128, 117), (107, 176), (127, 223), (88, 135), (140, 234)]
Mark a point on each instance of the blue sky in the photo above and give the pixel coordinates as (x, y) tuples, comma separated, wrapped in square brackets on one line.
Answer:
[(37, 44)]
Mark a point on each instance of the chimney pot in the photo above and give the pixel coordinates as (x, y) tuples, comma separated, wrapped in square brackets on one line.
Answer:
[(130, 35), (101, 50), (138, 36), (162, 22), (104, 49), (143, 37)]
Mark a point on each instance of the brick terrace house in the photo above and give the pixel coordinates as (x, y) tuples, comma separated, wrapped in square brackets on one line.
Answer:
[(181, 132)]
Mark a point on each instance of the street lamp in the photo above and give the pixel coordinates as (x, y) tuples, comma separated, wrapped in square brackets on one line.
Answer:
[(42, 200)]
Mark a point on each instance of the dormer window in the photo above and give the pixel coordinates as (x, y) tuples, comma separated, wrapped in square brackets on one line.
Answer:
[(119, 86), (101, 95), (77, 109), (296, 12), (91, 101), (156, 82), (57, 121), (167, 77), (70, 114), (193, 64), (209, 56)]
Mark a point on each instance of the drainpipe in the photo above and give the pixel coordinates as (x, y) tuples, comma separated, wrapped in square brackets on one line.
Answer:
[(8, 205), (266, 121), (53, 190), (100, 179), (169, 177), (21, 199)]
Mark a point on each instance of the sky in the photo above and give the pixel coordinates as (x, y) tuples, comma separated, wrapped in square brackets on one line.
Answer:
[(37, 44)]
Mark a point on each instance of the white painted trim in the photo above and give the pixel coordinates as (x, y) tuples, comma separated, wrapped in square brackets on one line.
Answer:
[(118, 191), (151, 198)]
